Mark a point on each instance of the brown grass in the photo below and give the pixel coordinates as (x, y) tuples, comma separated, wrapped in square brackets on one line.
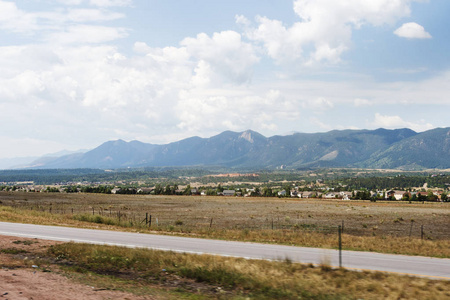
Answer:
[(169, 275), (253, 278), (390, 227)]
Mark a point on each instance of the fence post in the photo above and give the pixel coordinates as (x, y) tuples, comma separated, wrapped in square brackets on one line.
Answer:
[(340, 246), (150, 221), (210, 224), (146, 218), (421, 232)]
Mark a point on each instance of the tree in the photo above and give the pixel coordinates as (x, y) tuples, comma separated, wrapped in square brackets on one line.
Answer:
[(168, 190), (431, 196), (211, 192), (287, 188), (267, 192), (158, 189), (187, 190)]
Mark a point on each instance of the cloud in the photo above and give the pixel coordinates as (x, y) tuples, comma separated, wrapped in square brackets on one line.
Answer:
[(110, 3), (74, 82), (99, 3), (319, 104), (325, 29), (224, 54), (15, 20), (320, 124), (60, 23), (241, 110), (23, 146), (70, 2), (361, 102), (412, 31), (91, 15), (82, 34), (395, 121)]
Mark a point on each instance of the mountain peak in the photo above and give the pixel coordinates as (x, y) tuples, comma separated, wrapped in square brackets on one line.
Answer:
[(249, 149), (247, 135)]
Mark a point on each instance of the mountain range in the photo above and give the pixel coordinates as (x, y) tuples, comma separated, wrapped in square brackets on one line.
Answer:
[(380, 148)]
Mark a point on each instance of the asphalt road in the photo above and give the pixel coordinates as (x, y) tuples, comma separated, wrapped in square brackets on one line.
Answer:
[(410, 265)]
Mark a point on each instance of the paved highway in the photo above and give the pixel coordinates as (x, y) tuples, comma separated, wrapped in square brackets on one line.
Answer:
[(410, 265)]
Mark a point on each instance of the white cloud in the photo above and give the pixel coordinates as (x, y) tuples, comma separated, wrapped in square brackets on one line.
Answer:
[(222, 54), (70, 2), (242, 20), (361, 102), (69, 25), (319, 104), (72, 84), (386, 121), (99, 3), (412, 31), (320, 124), (81, 34), (14, 19), (239, 111), (91, 15), (326, 26), (109, 3), (28, 146)]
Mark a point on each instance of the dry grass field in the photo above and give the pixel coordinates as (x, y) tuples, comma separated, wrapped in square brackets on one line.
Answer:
[(38, 269), (394, 227)]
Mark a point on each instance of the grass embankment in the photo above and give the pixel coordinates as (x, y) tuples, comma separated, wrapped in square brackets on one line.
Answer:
[(218, 277), (298, 237), (168, 275)]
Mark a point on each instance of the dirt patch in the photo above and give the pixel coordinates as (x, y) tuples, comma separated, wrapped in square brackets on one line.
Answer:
[(21, 280), (29, 284)]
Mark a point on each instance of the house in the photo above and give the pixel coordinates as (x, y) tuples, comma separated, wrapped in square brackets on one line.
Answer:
[(396, 194), (229, 192), (282, 193), (115, 190), (294, 193), (330, 195), (307, 194), (399, 195), (345, 195), (144, 190), (390, 194)]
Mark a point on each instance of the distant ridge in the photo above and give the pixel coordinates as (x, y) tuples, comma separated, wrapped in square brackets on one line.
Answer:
[(380, 148)]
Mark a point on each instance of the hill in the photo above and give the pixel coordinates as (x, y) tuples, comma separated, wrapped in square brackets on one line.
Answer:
[(381, 148)]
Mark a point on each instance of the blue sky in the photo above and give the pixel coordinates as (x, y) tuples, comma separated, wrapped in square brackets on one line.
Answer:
[(77, 73)]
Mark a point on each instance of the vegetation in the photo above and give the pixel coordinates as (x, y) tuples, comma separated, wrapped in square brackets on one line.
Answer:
[(391, 227), (218, 277), (402, 227)]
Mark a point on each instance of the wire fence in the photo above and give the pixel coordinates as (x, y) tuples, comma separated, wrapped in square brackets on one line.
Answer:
[(187, 222)]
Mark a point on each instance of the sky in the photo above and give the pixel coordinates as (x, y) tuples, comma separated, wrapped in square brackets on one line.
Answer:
[(77, 73)]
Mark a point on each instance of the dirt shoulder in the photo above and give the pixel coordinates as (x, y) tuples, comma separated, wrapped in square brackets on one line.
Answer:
[(20, 279)]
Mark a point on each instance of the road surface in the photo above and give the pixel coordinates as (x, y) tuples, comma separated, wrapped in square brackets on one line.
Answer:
[(410, 265)]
